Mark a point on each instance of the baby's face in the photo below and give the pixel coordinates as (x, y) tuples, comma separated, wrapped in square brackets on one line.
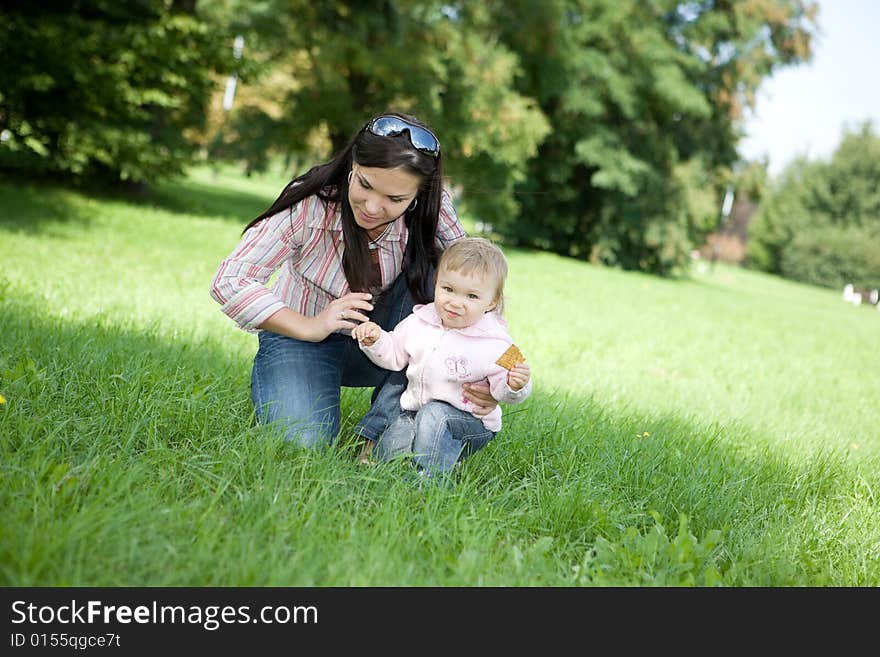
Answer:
[(461, 300)]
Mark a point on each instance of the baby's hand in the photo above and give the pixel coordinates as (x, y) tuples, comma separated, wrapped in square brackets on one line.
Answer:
[(366, 333), (519, 376)]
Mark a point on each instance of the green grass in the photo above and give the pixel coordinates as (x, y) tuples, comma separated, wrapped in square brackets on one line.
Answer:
[(716, 430)]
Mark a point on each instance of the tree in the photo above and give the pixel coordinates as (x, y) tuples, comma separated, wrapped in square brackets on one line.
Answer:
[(319, 69), (644, 101), (103, 90), (600, 129), (819, 223)]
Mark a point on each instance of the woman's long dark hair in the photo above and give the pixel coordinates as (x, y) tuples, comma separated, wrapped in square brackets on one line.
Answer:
[(329, 182)]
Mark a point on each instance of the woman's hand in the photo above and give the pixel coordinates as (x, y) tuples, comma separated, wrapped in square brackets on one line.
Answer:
[(345, 312), (342, 313), (478, 394)]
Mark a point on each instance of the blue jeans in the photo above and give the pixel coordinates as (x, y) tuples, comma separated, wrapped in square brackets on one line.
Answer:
[(297, 384), (437, 435)]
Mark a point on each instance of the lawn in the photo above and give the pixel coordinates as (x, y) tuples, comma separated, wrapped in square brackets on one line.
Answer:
[(718, 429)]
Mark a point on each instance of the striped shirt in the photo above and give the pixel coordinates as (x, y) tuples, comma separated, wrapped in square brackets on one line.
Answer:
[(303, 244)]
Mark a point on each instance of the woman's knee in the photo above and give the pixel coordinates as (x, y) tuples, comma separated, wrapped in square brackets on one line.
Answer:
[(305, 432), (296, 387)]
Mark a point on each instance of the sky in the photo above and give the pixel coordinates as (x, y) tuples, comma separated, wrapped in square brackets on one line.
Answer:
[(802, 109)]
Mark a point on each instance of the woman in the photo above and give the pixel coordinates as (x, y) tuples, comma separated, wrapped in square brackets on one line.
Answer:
[(354, 239)]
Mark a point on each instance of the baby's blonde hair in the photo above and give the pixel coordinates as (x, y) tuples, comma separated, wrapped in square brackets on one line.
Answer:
[(477, 255)]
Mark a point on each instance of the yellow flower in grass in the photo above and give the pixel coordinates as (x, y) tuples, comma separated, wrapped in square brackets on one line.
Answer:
[(2, 400)]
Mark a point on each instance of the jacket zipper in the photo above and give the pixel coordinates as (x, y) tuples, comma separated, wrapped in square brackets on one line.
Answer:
[(428, 361)]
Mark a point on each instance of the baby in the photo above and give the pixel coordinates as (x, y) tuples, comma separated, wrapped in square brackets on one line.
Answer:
[(456, 339)]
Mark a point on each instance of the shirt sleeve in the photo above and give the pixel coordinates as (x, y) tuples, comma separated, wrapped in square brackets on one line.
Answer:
[(239, 285), (449, 228)]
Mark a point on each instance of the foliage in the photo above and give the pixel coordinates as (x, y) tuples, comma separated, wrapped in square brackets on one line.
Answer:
[(600, 129), (819, 223), (316, 74), (652, 558), (750, 179), (644, 100), (103, 90), (833, 256)]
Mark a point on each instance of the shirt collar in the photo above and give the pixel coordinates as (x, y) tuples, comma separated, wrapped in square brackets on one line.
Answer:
[(331, 219)]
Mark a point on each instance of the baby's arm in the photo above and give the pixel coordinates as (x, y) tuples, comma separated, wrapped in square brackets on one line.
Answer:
[(366, 333), (385, 348), (513, 386), (519, 376)]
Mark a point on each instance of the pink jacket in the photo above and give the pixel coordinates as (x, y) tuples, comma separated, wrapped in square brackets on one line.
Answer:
[(440, 360)]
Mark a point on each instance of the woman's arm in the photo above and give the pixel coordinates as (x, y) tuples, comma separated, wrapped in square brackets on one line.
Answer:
[(239, 284), (449, 228), (342, 313)]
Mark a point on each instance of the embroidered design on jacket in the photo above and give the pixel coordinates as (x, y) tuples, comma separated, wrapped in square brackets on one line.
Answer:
[(457, 366)]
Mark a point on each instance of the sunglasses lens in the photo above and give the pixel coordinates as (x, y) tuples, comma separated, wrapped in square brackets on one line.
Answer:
[(424, 141), (391, 126)]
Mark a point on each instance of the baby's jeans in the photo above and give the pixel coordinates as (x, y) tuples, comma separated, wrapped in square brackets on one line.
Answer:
[(437, 435)]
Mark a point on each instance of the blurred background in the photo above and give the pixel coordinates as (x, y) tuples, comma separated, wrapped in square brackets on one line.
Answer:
[(639, 135)]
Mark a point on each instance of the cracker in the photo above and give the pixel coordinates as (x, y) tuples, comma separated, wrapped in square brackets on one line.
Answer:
[(513, 356)]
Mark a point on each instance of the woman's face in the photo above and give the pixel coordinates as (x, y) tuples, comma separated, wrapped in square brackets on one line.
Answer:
[(379, 196)]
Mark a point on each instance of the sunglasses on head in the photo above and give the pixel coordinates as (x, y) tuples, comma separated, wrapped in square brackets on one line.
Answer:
[(421, 139)]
